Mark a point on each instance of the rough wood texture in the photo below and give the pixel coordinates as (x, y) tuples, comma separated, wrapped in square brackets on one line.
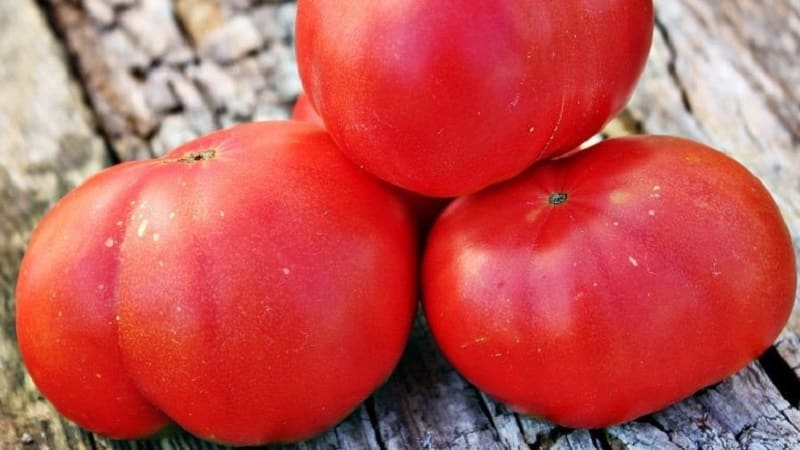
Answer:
[(47, 145), (157, 72)]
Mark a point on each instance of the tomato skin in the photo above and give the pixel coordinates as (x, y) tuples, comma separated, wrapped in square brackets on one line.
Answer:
[(249, 296), (425, 209), (304, 111), (666, 268), (65, 309), (447, 97)]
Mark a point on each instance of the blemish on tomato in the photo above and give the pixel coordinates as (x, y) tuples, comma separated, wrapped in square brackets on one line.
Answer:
[(633, 261), (109, 242), (195, 157), (619, 196), (656, 193), (142, 228)]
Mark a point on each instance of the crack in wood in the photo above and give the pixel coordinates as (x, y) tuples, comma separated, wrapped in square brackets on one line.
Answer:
[(73, 67), (672, 65), (375, 422), (600, 439)]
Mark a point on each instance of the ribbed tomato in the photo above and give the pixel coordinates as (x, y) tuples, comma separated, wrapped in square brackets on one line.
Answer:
[(252, 285), (606, 285)]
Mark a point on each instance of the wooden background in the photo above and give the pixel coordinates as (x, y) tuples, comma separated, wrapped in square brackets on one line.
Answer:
[(87, 83)]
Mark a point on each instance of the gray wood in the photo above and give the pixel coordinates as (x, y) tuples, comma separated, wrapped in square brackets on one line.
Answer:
[(156, 73), (47, 145)]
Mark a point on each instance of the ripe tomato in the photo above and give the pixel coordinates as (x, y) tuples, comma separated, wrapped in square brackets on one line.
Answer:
[(446, 97), (423, 208), (252, 285), (304, 111), (597, 288)]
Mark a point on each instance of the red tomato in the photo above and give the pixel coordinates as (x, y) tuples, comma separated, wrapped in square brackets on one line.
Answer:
[(446, 97), (424, 208), (601, 287), (252, 285), (304, 111)]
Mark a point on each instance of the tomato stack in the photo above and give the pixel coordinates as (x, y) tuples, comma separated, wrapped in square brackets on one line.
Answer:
[(257, 284)]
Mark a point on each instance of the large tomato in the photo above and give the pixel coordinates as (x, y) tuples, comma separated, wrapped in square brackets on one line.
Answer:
[(597, 288), (424, 208), (252, 285), (444, 97)]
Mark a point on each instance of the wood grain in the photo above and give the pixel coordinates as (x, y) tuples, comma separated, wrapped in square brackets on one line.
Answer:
[(145, 75), (47, 145)]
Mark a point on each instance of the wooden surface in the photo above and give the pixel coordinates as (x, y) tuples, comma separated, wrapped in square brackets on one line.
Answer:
[(88, 83)]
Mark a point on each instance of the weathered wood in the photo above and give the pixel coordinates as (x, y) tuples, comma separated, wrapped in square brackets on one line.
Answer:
[(157, 73), (47, 145)]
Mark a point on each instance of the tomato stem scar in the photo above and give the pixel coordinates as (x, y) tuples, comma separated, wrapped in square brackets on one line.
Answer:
[(193, 157), (558, 198)]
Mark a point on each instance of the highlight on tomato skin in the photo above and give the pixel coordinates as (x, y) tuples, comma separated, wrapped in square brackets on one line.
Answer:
[(604, 286), (252, 286), (447, 97)]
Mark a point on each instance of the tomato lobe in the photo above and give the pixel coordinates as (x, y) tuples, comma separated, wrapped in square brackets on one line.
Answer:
[(239, 286)]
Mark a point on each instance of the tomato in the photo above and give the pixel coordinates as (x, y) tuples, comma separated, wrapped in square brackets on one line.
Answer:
[(304, 111), (424, 209), (446, 97), (252, 285), (597, 288)]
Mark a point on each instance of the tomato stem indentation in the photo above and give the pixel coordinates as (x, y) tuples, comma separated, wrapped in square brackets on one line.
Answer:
[(558, 198), (193, 157)]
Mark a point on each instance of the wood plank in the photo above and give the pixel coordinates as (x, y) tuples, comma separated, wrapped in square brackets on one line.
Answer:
[(48, 145), (159, 75)]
